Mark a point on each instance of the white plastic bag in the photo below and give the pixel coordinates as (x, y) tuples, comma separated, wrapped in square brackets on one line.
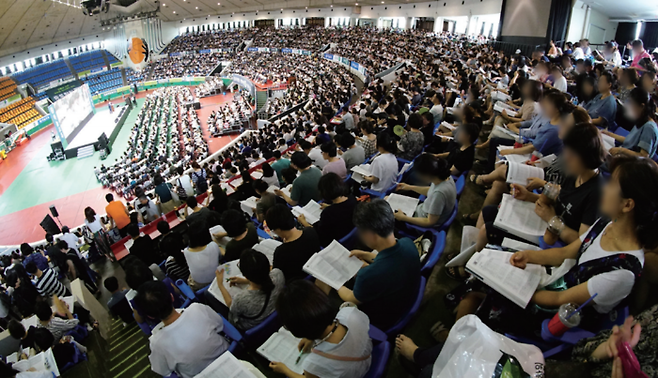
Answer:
[(473, 350)]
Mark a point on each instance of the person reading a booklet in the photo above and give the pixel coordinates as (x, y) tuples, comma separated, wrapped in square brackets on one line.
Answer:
[(608, 257), (441, 194), (266, 201), (373, 288), (188, 340), (461, 153), (202, 256), (243, 234), (305, 186), (336, 340), (542, 134), (575, 206), (251, 306), (336, 218), (643, 138), (298, 245), (553, 172), (384, 168)]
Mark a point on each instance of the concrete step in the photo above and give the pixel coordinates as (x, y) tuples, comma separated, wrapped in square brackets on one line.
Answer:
[(85, 152)]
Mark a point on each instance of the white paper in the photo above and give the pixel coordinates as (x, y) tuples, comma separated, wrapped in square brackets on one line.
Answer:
[(500, 106), (227, 188), (333, 265), (467, 249), (494, 269), (519, 218), (518, 159), (518, 245), (219, 230), (256, 175), (225, 366), (231, 269), (32, 321), (129, 243), (236, 182), (448, 126), (267, 247), (403, 203), (68, 301), (311, 211), (282, 347), (44, 361), (363, 169), (358, 177), (608, 141), (248, 205), (508, 132), (520, 173), (285, 190), (500, 96), (407, 166)]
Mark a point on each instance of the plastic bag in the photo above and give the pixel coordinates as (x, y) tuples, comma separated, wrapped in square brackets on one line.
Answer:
[(473, 350)]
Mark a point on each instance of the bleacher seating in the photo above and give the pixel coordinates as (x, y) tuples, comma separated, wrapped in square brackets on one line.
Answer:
[(87, 61), (43, 73), (20, 113), (7, 88), (111, 58), (135, 77), (102, 82)]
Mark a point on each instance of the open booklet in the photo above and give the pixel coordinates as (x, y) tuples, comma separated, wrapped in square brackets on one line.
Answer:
[(403, 203), (500, 96), (448, 126), (282, 347), (520, 173), (267, 247), (514, 158), (311, 211), (231, 269), (608, 141), (219, 230), (333, 265), (227, 188), (494, 269), (500, 106), (226, 366), (249, 204), (519, 218), (360, 171), (44, 361), (467, 249)]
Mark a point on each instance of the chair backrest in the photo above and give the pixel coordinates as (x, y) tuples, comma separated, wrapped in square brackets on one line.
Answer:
[(256, 336), (433, 256), (348, 241), (460, 183), (395, 329), (381, 351), (234, 336)]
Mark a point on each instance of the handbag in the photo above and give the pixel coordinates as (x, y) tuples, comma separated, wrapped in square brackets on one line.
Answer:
[(182, 194)]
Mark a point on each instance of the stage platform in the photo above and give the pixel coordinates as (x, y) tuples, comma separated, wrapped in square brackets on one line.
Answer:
[(99, 123)]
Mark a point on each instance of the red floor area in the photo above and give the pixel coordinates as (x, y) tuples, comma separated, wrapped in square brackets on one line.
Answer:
[(18, 158), (23, 226)]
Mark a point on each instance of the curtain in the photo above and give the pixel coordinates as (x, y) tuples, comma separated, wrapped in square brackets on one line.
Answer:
[(558, 21), (625, 33), (650, 35)]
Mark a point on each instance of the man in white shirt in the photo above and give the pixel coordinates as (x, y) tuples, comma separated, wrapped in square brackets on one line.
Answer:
[(71, 239), (184, 342)]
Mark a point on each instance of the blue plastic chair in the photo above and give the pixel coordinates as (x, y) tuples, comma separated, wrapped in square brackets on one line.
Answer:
[(77, 358), (256, 336), (235, 337), (441, 227), (348, 241), (397, 328), (544, 245), (381, 350), (460, 183), (433, 256)]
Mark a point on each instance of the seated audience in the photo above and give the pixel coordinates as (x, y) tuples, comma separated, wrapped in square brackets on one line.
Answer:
[(202, 256)]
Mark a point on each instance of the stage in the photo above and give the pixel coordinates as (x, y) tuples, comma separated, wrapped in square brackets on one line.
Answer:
[(99, 123)]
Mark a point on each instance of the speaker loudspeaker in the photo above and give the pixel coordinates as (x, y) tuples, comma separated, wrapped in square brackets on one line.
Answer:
[(49, 225), (53, 211)]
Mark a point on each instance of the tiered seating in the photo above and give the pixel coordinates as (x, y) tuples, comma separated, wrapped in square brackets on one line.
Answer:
[(43, 73), (87, 61), (111, 58), (20, 113), (7, 88), (134, 76), (104, 81)]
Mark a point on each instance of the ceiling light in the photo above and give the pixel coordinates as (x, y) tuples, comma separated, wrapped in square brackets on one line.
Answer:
[(174, 12), (356, 4), (196, 7)]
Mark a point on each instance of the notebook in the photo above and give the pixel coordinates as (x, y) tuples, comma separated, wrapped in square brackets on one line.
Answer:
[(311, 211), (225, 366), (403, 203), (518, 218), (494, 269), (333, 265), (282, 346), (231, 269), (520, 173)]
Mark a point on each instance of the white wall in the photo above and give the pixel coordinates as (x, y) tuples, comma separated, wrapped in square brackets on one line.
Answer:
[(587, 22)]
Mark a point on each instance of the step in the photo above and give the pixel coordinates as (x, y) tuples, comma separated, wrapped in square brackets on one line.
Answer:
[(85, 152)]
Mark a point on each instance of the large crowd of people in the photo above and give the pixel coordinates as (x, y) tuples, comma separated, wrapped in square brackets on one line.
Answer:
[(584, 126), (231, 116), (192, 64), (210, 39)]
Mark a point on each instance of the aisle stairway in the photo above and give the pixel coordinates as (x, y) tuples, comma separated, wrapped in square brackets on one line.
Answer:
[(70, 66), (87, 151)]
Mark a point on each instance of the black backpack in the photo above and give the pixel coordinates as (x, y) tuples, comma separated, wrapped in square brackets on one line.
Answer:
[(201, 183)]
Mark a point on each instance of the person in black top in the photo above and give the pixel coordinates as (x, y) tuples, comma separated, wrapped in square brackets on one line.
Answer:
[(461, 154), (18, 332), (143, 246), (172, 245), (201, 217), (336, 219), (298, 245), (242, 233), (77, 267), (56, 256)]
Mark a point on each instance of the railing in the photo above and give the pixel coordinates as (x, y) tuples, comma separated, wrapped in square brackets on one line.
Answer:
[(510, 48)]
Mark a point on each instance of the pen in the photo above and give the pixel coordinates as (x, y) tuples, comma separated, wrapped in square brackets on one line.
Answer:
[(301, 352)]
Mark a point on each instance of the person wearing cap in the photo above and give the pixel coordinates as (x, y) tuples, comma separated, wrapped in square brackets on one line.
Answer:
[(147, 210), (611, 54)]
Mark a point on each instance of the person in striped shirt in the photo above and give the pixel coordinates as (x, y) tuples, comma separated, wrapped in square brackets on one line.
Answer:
[(46, 282)]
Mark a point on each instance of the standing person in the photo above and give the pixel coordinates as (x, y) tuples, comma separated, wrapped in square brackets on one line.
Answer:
[(147, 210), (163, 192), (189, 341), (77, 267), (639, 53), (185, 182), (199, 178), (97, 228), (279, 165), (71, 239), (269, 175), (172, 246), (29, 255), (46, 283), (117, 214)]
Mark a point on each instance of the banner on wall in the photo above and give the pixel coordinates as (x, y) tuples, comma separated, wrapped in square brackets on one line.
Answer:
[(137, 47), (245, 83)]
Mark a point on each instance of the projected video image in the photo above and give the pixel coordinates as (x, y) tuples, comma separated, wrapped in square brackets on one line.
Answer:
[(72, 109)]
